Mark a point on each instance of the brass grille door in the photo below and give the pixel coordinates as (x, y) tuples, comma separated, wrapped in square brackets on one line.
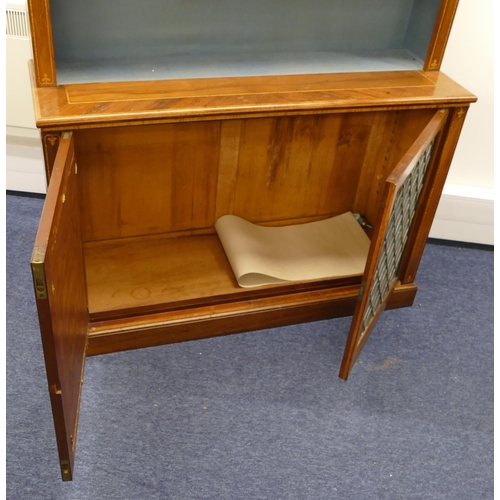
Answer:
[(398, 209), (58, 274)]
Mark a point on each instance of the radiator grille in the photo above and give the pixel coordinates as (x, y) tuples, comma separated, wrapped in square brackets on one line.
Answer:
[(401, 218), (17, 23)]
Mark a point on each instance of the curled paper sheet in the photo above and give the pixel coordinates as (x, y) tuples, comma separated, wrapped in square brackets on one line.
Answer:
[(261, 255)]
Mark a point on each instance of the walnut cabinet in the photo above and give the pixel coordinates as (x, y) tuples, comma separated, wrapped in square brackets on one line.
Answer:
[(158, 117)]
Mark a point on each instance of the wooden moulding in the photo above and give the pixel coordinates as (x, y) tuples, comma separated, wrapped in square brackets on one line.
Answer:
[(43, 48), (440, 35), (204, 322), (58, 272), (140, 103), (50, 143), (166, 274), (446, 145)]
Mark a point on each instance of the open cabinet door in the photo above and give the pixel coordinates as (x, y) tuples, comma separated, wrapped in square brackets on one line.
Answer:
[(59, 279), (392, 231)]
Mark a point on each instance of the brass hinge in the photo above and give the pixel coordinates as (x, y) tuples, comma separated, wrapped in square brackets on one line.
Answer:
[(39, 274), (65, 471)]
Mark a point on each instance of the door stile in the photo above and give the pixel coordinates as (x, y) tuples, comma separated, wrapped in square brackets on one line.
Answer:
[(358, 335), (446, 143), (42, 43), (394, 226), (60, 290)]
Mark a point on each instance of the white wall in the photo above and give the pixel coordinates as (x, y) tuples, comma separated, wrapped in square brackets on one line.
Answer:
[(469, 59), (24, 158), (465, 212)]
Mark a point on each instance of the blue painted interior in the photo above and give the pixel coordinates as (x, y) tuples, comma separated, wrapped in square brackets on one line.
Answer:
[(420, 28), (99, 39)]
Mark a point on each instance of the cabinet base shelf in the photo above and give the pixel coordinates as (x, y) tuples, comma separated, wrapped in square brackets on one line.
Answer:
[(159, 274)]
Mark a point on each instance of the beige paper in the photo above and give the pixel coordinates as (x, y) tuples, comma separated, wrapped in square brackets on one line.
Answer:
[(259, 255)]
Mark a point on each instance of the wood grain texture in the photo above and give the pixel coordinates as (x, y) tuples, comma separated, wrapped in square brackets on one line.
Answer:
[(42, 43), (229, 155), (285, 165), (138, 275), (440, 35), (236, 317), (432, 193), (359, 333), (145, 272), (170, 178), (50, 142), (410, 158), (124, 103), (391, 134), (63, 311), (147, 179)]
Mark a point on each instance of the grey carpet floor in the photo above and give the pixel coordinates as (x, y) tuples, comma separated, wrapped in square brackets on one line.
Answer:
[(262, 415)]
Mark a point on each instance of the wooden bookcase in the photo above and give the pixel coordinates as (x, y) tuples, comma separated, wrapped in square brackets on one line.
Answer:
[(158, 117)]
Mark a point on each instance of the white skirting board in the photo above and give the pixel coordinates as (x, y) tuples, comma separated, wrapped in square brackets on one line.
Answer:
[(25, 170), (464, 214)]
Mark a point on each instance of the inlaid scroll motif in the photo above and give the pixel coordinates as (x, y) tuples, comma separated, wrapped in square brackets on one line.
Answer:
[(46, 80), (50, 146), (434, 64), (459, 114), (52, 139)]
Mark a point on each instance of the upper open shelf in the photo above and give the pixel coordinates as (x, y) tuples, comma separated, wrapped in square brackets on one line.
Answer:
[(195, 66), (127, 40)]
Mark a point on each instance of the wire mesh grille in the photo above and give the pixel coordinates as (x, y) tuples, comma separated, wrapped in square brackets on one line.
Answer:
[(400, 220), (16, 23)]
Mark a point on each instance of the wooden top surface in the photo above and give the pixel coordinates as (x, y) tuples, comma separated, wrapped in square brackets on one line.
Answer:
[(101, 104)]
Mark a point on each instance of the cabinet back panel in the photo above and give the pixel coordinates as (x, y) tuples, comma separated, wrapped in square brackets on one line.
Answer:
[(391, 135), (175, 178), (147, 179), (292, 167)]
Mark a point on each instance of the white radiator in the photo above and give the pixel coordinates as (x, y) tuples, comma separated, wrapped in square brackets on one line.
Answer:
[(24, 158)]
